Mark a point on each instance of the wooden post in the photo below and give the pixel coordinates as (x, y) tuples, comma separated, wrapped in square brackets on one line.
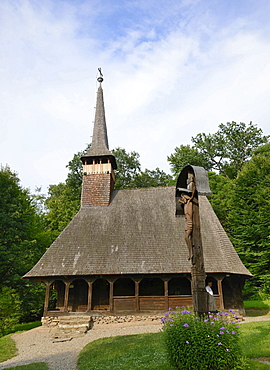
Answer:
[(111, 296), (166, 294), (137, 303), (47, 297), (220, 292), (192, 182), (199, 293), (66, 296), (90, 291)]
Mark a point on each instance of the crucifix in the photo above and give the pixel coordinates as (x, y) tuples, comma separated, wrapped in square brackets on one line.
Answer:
[(192, 182)]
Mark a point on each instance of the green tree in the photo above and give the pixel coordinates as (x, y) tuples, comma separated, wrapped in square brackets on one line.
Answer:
[(224, 151), (23, 240), (184, 155), (230, 147), (62, 204), (10, 305), (223, 190), (148, 178), (249, 222), (128, 167)]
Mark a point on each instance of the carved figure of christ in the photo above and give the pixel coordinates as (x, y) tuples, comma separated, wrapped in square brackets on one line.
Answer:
[(186, 200)]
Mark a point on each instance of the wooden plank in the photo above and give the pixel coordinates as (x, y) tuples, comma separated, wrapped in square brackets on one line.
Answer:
[(101, 307), (152, 303), (180, 301), (124, 304), (82, 308)]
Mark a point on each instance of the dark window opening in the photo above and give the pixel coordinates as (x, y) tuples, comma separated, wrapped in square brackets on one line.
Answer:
[(179, 286), (151, 287), (124, 287)]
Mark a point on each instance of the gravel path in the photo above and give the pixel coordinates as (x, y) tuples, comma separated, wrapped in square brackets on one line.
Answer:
[(37, 345)]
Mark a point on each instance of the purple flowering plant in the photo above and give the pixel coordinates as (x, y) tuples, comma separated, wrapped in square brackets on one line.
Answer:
[(196, 342)]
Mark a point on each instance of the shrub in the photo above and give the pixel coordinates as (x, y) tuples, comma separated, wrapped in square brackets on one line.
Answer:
[(9, 310), (206, 342)]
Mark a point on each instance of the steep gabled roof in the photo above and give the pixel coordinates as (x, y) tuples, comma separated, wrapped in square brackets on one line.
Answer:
[(138, 233)]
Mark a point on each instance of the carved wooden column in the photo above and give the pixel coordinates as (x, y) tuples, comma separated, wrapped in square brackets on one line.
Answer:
[(191, 183), (166, 293), (220, 292), (111, 296), (47, 297), (67, 284), (137, 302), (199, 293), (90, 291)]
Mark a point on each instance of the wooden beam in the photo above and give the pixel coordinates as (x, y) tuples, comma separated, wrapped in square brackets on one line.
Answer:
[(47, 297), (137, 302), (111, 295), (166, 294), (199, 293), (220, 292), (67, 284), (90, 292)]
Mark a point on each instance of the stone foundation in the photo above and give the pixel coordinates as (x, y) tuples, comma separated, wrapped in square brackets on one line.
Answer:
[(55, 321)]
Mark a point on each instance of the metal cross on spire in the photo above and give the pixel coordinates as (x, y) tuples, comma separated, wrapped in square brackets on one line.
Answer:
[(100, 77)]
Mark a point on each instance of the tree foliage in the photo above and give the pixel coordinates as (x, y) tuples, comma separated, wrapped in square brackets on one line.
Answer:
[(129, 173), (10, 306), (23, 240), (186, 154), (128, 167), (224, 151), (151, 178), (249, 222), (22, 236)]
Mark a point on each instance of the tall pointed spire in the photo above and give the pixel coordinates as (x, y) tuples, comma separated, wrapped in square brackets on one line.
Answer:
[(100, 147), (98, 162), (100, 144)]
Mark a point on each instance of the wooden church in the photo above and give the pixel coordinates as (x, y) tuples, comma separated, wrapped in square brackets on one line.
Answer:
[(125, 252)]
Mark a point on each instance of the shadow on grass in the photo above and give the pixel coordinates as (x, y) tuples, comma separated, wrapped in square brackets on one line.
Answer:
[(257, 308), (35, 366), (256, 365)]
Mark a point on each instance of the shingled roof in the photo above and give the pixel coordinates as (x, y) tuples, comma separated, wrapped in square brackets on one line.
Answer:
[(138, 233), (100, 146)]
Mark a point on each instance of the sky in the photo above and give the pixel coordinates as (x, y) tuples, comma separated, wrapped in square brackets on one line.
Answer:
[(172, 69)]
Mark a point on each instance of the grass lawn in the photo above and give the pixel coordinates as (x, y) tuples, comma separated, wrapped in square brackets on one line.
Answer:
[(141, 351), (7, 348), (255, 339), (146, 351), (27, 326), (7, 345)]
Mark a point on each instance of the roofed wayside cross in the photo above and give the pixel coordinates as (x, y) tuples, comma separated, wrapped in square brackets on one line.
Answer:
[(192, 182)]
